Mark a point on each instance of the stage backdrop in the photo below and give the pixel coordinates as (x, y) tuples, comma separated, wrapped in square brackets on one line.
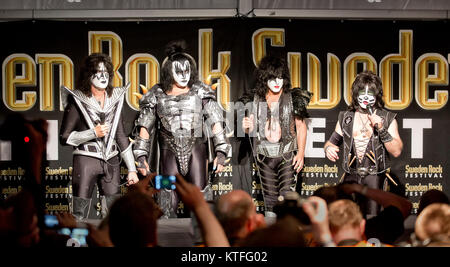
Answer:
[(412, 58)]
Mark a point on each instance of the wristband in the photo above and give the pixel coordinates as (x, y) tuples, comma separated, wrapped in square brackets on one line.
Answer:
[(220, 158), (385, 136), (336, 139)]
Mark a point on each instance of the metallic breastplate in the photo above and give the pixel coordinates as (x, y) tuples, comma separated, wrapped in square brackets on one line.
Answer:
[(181, 115), (181, 120)]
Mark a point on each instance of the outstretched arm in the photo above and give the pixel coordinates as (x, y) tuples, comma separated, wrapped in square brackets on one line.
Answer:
[(212, 232), (383, 198), (389, 136), (332, 145), (301, 130), (395, 146), (141, 150), (145, 124), (216, 122), (127, 152)]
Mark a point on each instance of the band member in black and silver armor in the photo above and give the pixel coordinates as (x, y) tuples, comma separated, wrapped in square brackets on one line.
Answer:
[(92, 124), (177, 112), (276, 122), (368, 132)]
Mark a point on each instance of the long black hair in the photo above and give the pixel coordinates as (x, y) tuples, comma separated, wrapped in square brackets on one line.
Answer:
[(270, 68), (175, 51), (369, 78), (89, 68)]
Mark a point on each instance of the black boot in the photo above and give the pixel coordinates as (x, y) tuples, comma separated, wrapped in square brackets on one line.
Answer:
[(81, 207), (107, 202)]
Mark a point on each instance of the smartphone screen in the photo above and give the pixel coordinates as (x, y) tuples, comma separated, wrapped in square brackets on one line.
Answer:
[(77, 236), (165, 182), (51, 221)]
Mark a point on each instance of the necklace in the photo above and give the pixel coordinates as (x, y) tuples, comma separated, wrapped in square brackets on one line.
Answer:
[(364, 131)]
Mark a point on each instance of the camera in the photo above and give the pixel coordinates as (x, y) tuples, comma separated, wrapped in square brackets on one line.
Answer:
[(50, 221), (77, 236), (165, 182), (291, 204)]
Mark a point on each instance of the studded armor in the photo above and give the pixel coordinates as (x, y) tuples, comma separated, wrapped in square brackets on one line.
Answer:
[(180, 121)]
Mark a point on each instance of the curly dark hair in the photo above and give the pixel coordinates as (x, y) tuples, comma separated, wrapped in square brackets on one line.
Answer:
[(89, 68), (270, 68), (369, 78), (175, 51)]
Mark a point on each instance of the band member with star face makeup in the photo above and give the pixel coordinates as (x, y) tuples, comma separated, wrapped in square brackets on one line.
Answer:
[(177, 113), (277, 124), (92, 124), (370, 134)]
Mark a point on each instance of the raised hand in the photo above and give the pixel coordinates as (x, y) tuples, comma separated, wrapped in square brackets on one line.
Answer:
[(101, 130), (247, 124)]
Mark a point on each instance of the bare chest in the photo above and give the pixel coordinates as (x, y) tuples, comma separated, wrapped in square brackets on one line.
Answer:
[(361, 126)]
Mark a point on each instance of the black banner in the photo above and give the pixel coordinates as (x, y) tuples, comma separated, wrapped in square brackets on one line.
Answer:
[(411, 57)]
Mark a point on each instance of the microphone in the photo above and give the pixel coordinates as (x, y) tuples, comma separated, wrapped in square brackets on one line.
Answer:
[(102, 118), (370, 109)]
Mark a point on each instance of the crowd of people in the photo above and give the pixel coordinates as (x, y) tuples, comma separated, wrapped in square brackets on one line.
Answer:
[(333, 218)]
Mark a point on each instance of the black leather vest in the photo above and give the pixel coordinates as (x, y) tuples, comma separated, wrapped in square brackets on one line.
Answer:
[(346, 119)]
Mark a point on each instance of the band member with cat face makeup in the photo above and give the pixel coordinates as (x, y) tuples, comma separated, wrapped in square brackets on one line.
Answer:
[(177, 113), (368, 133), (277, 124), (92, 124)]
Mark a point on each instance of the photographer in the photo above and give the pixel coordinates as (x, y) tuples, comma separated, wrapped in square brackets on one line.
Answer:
[(312, 214), (296, 219)]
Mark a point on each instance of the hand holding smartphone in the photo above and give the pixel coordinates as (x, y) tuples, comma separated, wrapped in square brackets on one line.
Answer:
[(165, 182), (77, 235)]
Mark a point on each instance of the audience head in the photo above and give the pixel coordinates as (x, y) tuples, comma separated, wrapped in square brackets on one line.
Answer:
[(285, 232), (346, 221), (23, 229), (133, 221), (331, 193), (433, 223), (430, 197), (236, 213)]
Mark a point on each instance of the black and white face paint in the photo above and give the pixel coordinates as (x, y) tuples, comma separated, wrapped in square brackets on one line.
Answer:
[(366, 97), (275, 85), (100, 79), (181, 71)]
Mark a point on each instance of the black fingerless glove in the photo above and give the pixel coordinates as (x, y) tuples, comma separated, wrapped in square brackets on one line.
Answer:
[(221, 157), (141, 162)]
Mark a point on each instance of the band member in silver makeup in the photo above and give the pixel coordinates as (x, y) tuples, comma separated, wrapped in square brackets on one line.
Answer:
[(368, 132), (92, 124), (277, 122), (177, 113)]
